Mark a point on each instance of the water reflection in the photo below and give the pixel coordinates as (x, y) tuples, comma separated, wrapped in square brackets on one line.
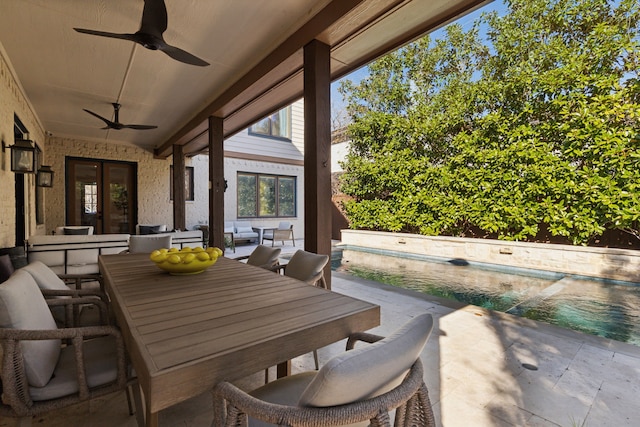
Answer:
[(590, 306)]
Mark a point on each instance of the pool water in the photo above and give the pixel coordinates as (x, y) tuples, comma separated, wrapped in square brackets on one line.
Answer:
[(597, 307)]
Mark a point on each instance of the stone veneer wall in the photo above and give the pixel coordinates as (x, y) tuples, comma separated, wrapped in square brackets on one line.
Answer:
[(154, 206), (14, 101), (608, 263)]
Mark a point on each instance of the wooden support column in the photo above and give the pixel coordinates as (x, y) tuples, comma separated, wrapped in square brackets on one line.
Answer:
[(216, 183), (317, 151), (179, 196)]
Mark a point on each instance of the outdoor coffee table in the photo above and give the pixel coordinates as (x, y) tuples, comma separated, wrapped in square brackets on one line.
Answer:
[(185, 334)]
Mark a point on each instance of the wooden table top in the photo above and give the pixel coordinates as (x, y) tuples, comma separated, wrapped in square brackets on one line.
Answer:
[(186, 333)]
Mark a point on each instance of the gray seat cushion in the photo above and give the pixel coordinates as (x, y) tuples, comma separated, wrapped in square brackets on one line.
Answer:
[(100, 366), (22, 306)]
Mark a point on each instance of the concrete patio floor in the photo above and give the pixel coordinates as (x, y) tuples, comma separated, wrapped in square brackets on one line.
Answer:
[(482, 368)]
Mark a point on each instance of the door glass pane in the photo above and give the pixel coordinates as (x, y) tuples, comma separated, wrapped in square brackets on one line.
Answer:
[(247, 206), (84, 205), (267, 196), (286, 196), (118, 218)]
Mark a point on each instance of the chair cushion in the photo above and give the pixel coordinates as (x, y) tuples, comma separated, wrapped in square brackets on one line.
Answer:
[(244, 230), (75, 231), (306, 266), (149, 229), (100, 364), (149, 243), (22, 306), (263, 256), (370, 370), (45, 277), (6, 267)]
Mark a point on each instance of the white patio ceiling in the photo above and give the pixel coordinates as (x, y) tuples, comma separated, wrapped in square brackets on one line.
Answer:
[(254, 48)]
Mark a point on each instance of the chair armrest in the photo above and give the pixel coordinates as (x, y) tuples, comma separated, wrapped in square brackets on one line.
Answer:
[(361, 336), (16, 387), (279, 268), (240, 258), (78, 279), (75, 300), (231, 405)]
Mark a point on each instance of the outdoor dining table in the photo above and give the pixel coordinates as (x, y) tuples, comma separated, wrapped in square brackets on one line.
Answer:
[(184, 334)]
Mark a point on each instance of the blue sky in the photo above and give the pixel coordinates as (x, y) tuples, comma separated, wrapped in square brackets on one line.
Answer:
[(466, 22)]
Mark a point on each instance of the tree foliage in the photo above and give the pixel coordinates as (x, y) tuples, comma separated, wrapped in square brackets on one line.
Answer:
[(525, 122)]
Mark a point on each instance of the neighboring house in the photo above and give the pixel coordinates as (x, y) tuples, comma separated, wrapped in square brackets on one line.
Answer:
[(263, 168)]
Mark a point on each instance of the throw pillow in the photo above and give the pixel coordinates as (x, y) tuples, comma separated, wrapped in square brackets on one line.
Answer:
[(149, 229), (370, 370), (6, 267), (76, 231), (22, 306)]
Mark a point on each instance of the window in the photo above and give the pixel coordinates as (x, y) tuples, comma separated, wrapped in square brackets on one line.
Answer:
[(277, 125), (266, 195), (90, 195), (189, 193)]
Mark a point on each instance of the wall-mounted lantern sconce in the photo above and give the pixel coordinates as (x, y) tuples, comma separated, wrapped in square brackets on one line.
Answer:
[(45, 176), (23, 156)]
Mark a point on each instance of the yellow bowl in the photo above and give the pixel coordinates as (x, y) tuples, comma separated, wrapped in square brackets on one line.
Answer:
[(193, 266)]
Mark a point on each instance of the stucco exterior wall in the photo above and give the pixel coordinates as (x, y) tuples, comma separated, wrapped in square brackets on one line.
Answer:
[(14, 101), (608, 263)]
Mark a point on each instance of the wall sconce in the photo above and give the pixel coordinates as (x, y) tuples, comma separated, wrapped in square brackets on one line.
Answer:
[(45, 177), (23, 156)]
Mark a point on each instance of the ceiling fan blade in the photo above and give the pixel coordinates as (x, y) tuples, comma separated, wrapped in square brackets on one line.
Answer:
[(139, 127), (182, 55), (131, 37), (154, 18), (109, 123)]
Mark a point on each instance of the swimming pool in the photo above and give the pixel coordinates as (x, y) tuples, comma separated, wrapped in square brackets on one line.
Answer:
[(598, 307)]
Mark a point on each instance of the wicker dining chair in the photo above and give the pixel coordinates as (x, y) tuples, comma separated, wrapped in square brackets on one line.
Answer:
[(357, 388), (45, 368), (307, 267), (262, 256)]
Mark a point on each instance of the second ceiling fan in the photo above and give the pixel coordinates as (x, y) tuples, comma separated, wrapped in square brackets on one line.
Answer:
[(115, 124)]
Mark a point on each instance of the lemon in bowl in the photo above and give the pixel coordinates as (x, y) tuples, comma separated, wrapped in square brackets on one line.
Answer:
[(186, 260)]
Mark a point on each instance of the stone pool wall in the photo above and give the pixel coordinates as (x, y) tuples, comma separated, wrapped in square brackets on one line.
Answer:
[(606, 263)]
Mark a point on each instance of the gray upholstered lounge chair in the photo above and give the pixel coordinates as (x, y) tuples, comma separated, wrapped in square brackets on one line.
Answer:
[(262, 256), (39, 374), (357, 388), (282, 233)]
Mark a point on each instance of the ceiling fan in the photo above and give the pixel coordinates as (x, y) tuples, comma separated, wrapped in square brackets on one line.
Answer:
[(116, 123), (154, 23)]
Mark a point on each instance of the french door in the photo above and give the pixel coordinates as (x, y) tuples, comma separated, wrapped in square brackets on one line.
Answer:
[(101, 193)]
